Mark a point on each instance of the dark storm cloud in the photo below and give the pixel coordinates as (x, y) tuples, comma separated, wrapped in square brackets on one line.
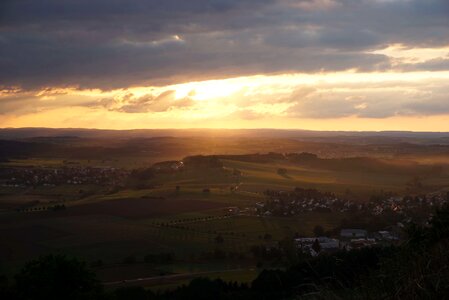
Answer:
[(116, 43)]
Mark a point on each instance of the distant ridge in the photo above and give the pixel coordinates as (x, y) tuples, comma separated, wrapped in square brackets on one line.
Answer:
[(33, 132)]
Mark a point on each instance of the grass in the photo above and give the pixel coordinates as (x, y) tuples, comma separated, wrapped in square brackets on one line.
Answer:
[(277, 227), (111, 237), (258, 177)]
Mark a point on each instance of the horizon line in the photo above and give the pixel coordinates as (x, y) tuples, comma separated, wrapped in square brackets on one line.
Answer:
[(222, 129)]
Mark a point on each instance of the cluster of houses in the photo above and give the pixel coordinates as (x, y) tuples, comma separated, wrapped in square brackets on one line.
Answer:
[(405, 205), (349, 239), (23, 177), (281, 203), (189, 162), (168, 166)]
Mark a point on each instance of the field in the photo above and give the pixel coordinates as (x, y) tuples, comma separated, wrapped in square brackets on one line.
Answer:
[(181, 213), (136, 223), (258, 177)]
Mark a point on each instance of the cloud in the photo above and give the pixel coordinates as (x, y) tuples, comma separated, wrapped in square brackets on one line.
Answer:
[(373, 101), (246, 114), (129, 103), (436, 64), (119, 44), (94, 54)]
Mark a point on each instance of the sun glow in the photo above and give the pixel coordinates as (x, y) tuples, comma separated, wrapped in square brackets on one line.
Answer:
[(247, 85), (207, 90), (320, 100), (283, 83)]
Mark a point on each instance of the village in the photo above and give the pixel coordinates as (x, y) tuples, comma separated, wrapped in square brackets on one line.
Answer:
[(282, 203), (33, 177), (300, 201)]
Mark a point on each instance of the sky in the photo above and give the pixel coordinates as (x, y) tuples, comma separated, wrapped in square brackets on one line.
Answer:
[(297, 64)]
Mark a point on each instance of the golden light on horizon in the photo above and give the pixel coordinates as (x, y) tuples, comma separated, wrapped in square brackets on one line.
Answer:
[(322, 101)]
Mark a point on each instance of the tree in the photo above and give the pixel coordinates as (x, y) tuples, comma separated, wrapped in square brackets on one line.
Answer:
[(267, 236), (130, 259), (316, 246), (318, 230), (219, 239), (139, 178), (161, 258), (133, 293), (415, 183), (57, 277), (282, 171)]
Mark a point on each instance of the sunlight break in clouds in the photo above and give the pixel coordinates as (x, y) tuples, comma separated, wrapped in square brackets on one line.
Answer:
[(296, 99)]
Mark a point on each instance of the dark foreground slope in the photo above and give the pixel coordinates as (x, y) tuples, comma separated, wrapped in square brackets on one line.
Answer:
[(415, 270)]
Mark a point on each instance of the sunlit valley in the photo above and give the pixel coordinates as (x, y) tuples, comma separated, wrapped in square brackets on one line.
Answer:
[(211, 149)]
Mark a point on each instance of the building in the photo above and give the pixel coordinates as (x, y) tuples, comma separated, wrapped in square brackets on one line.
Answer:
[(361, 243), (325, 245), (168, 166), (353, 233), (233, 210), (386, 235)]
